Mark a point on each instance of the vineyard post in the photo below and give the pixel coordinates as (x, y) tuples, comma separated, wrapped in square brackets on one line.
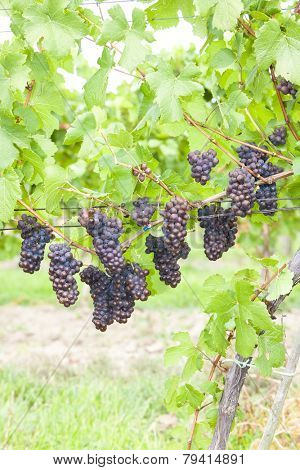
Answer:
[(236, 376), (281, 395)]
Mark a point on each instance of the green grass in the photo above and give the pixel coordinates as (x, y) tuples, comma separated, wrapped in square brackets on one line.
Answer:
[(92, 411)]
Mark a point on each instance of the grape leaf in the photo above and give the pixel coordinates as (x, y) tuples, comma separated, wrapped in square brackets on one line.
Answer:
[(46, 100), (167, 12), (54, 180), (11, 134), (95, 87), (282, 285), (10, 192), (169, 88), (226, 14), (57, 26)]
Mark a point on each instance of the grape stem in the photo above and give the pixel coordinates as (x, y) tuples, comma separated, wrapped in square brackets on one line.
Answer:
[(55, 230), (281, 103), (29, 88)]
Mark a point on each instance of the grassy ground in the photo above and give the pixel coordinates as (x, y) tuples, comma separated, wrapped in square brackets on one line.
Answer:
[(108, 392)]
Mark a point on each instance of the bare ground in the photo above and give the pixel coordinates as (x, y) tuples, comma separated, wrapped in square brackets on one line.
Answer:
[(37, 337)]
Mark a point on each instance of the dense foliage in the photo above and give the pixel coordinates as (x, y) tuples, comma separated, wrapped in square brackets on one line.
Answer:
[(222, 115)]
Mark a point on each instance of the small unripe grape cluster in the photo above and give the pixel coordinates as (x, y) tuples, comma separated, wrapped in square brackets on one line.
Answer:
[(141, 172), (279, 136), (241, 190), (202, 165), (114, 297), (62, 268), (143, 211), (175, 217), (105, 232), (35, 237), (287, 88), (220, 230), (166, 263)]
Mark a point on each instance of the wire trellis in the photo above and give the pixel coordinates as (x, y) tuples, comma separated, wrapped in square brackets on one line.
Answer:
[(212, 216)]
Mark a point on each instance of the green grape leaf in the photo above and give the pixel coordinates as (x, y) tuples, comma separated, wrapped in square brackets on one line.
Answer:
[(167, 12), (122, 140), (274, 45), (95, 87), (226, 14), (45, 101), (55, 179), (11, 134), (55, 25), (271, 353), (10, 192), (193, 364), (35, 160), (246, 337), (281, 285), (169, 88)]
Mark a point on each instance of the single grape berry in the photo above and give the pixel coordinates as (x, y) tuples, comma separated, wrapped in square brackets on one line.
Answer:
[(241, 190), (220, 230), (35, 237), (105, 232), (175, 217), (166, 263), (202, 165), (62, 268), (143, 211), (141, 172), (287, 88), (279, 136)]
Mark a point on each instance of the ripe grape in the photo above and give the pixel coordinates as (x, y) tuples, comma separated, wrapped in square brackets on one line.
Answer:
[(252, 158), (279, 136), (202, 164), (166, 263), (266, 195), (62, 268), (105, 233), (143, 211), (141, 172), (287, 88), (175, 216), (35, 237), (220, 230), (241, 190), (114, 296)]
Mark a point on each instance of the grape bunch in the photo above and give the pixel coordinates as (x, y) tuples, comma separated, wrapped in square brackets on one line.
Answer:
[(220, 230), (143, 211), (175, 217), (114, 296), (202, 165), (98, 283), (241, 190), (35, 237), (266, 194), (287, 88), (62, 268), (279, 136), (141, 172), (166, 263), (252, 158), (105, 232)]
